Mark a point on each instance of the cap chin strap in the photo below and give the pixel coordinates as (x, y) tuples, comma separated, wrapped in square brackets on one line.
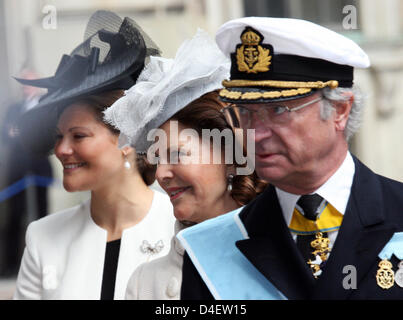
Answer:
[(235, 95), (332, 84)]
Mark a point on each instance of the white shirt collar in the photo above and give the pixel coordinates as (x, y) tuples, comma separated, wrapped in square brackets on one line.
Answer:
[(336, 190)]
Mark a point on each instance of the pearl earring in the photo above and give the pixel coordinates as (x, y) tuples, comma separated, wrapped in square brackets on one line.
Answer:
[(230, 179), (127, 164)]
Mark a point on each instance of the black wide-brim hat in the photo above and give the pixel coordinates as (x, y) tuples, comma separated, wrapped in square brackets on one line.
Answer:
[(111, 57), (280, 59)]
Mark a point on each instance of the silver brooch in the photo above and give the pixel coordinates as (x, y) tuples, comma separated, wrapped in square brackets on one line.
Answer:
[(148, 248)]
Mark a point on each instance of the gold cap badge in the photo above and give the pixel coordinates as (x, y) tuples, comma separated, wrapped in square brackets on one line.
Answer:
[(251, 56)]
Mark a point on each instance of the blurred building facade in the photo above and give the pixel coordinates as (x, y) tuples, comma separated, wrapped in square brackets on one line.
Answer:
[(35, 34)]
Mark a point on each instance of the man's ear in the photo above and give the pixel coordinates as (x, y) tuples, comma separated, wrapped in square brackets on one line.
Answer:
[(342, 111)]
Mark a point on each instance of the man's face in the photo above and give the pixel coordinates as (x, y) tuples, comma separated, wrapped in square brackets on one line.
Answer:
[(297, 149)]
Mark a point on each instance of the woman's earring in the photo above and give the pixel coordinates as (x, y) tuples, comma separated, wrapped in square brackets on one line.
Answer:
[(230, 178), (127, 164)]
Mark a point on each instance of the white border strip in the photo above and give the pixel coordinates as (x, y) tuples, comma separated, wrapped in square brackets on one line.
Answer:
[(199, 267), (240, 225)]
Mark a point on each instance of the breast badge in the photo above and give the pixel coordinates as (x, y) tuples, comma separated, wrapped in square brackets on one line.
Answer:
[(385, 277), (399, 275)]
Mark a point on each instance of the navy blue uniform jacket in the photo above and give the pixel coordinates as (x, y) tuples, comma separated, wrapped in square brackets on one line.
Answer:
[(373, 214)]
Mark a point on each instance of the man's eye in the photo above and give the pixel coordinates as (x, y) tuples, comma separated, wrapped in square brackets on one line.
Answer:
[(243, 111), (277, 110)]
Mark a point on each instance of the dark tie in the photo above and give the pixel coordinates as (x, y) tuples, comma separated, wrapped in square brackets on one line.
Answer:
[(310, 205)]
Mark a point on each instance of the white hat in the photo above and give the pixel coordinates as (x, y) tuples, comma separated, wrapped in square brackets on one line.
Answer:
[(294, 55), (166, 86)]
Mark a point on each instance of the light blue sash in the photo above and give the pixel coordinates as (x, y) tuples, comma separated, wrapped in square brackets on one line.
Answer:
[(226, 271), (394, 246)]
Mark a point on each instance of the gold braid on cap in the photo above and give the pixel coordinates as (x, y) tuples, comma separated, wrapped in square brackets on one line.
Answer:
[(236, 95), (332, 84)]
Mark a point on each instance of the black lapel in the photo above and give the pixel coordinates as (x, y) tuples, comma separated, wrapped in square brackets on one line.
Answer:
[(363, 234), (271, 249)]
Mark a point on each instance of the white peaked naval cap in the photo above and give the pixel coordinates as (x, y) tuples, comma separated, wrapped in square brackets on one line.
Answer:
[(282, 58)]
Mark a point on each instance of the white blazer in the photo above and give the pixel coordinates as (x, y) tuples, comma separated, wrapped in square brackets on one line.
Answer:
[(65, 252), (160, 279)]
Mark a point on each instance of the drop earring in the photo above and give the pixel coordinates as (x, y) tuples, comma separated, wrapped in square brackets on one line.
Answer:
[(230, 178), (127, 164)]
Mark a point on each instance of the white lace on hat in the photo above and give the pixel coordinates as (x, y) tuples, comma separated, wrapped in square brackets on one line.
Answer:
[(166, 86)]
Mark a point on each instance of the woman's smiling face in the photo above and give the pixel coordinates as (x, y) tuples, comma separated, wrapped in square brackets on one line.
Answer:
[(87, 149), (198, 191)]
